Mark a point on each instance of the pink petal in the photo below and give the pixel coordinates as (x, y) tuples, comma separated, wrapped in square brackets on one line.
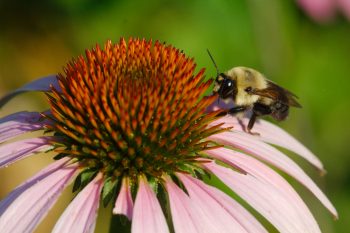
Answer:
[(246, 219), (220, 104), (148, 216), (42, 84), (266, 193), (344, 6), (20, 123), (184, 217), (124, 203), (15, 151), (270, 133), (271, 155), (320, 10), (24, 208), (265, 174), (80, 216), (214, 217)]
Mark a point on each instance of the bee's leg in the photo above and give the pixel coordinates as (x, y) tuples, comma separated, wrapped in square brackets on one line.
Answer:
[(233, 111), (258, 110), (251, 124), (241, 123), (236, 110)]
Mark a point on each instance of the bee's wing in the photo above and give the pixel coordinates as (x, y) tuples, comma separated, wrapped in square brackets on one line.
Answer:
[(275, 92)]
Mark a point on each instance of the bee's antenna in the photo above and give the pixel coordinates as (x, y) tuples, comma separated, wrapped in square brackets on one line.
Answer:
[(216, 67)]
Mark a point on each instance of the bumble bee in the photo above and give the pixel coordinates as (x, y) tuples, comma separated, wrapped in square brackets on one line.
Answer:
[(250, 90)]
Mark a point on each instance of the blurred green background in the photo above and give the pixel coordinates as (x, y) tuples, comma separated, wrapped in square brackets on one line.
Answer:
[(37, 38)]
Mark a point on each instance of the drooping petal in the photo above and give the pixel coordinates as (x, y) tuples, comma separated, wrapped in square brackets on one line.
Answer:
[(24, 208), (273, 134), (124, 203), (80, 215), (184, 217), (15, 151), (214, 217), (264, 173), (42, 84), (187, 219), (147, 216), (277, 205), (24, 116), (20, 123), (273, 156), (246, 219)]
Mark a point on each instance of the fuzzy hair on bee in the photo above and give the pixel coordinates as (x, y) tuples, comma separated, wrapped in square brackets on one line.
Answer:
[(251, 91)]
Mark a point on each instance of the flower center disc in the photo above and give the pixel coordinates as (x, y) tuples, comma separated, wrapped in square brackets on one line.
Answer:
[(132, 108)]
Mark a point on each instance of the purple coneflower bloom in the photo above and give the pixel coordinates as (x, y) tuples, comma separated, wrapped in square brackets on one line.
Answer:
[(129, 124), (320, 10), (324, 11)]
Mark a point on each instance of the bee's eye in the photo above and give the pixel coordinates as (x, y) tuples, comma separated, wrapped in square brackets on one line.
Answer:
[(248, 89), (229, 83)]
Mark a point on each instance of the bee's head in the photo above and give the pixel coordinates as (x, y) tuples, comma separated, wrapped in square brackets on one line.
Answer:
[(225, 86)]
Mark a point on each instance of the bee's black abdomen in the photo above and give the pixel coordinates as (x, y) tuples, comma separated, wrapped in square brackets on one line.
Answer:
[(261, 109), (280, 111)]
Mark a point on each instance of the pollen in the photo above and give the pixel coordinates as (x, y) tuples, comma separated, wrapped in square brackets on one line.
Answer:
[(132, 108)]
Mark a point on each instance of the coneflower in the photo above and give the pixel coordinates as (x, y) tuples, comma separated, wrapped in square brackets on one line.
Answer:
[(128, 124), (324, 11)]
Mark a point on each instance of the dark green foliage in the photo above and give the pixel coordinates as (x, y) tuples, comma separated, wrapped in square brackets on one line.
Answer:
[(109, 190), (84, 178)]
